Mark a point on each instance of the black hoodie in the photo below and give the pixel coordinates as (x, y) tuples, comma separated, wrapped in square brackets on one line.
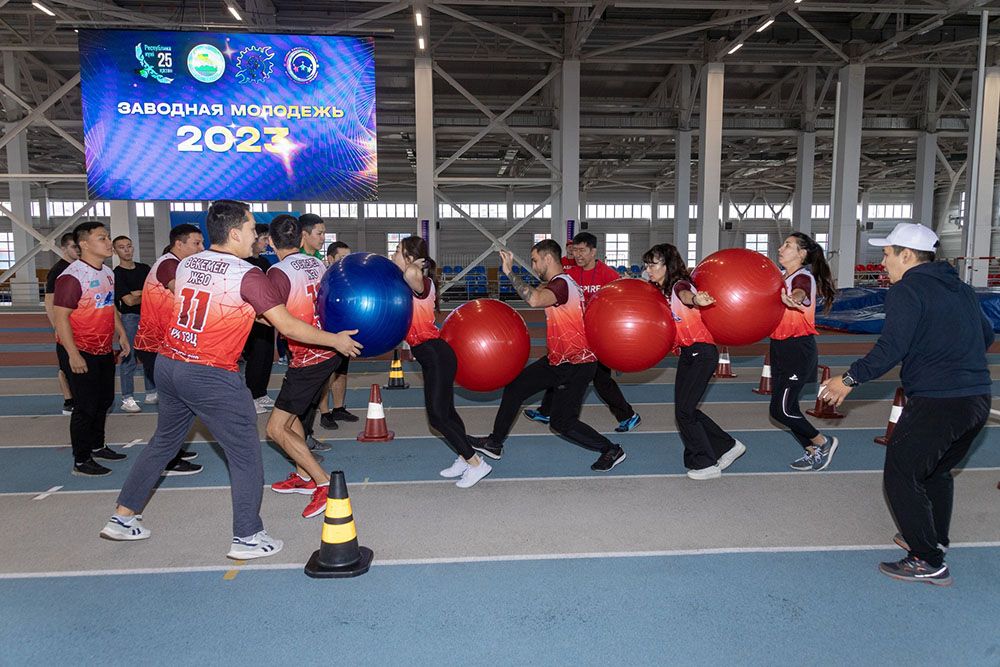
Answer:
[(934, 325)]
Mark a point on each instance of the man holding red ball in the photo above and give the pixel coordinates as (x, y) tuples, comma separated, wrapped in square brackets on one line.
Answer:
[(591, 274)]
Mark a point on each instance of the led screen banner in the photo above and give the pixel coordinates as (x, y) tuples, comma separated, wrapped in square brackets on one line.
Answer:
[(201, 116)]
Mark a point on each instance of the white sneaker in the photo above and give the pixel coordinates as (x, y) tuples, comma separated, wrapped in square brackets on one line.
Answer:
[(260, 406), (711, 472), (473, 474), (129, 405), (121, 532), (266, 401), (256, 546), (152, 398), (735, 452), (457, 468)]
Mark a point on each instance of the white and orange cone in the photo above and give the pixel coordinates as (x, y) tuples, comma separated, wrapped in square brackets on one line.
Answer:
[(764, 388), (375, 426), (725, 367), (824, 410), (898, 402)]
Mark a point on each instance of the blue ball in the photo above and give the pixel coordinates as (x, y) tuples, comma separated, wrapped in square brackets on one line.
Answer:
[(366, 292)]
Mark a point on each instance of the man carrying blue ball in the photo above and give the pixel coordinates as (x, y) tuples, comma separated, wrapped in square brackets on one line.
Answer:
[(567, 369)]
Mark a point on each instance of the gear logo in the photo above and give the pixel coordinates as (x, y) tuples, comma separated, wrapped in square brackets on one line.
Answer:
[(301, 65), (253, 64)]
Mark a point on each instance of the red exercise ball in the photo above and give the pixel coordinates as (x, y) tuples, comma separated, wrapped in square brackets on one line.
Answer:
[(746, 287), (629, 325), (491, 342)]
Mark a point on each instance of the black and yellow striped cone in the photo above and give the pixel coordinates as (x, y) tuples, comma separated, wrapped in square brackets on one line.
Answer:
[(339, 555), (396, 380)]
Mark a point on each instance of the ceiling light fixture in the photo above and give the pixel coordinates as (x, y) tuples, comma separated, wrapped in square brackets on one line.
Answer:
[(43, 8), (735, 48), (767, 24), (236, 14), (419, 18), (420, 43)]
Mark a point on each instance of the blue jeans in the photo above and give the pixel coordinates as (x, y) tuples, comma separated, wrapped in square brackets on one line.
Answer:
[(126, 367)]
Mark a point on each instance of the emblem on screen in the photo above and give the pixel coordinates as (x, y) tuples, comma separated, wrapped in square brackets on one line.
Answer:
[(155, 62), (301, 65), (254, 65), (206, 63)]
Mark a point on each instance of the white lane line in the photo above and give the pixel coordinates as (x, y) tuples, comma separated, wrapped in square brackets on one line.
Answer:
[(133, 443), (492, 559), (501, 480), (43, 496)]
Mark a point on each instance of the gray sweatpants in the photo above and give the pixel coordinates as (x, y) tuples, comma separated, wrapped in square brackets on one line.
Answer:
[(222, 401)]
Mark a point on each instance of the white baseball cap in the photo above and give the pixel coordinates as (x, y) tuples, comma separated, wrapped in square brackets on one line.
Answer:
[(909, 235)]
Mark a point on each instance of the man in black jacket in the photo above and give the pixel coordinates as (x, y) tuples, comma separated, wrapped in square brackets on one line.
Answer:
[(935, 327)]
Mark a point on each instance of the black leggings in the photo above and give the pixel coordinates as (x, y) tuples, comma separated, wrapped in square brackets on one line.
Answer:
[(793, 365), (93, 395), (438, 363), (607, 389), (704, 440)]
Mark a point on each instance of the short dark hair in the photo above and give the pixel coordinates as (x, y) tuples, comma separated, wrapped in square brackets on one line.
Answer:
[(332, 249), (224, 215), (310, 220), (66, 239), (260, 228), (586, 238), (84, 229), (548, 246), (923, 256), (120, 237), (286, 232), (181, 233)]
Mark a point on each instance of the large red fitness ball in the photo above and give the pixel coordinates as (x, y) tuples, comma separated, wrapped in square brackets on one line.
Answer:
[(491, 343), (629, 325), (747, 288)]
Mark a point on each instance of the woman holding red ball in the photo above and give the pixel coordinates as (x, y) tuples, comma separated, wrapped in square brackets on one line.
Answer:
[(793, 352), (708, 450)]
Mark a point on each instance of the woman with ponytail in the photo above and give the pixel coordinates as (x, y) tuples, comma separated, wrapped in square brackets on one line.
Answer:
[(708, 450), (437, 361), (794, 357)]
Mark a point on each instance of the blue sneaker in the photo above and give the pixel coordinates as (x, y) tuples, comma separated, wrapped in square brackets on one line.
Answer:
[(536, 416), (629, 424), (806, 462), (824, 453)]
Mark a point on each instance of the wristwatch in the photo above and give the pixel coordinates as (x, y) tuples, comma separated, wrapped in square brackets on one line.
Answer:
[(848, 380)]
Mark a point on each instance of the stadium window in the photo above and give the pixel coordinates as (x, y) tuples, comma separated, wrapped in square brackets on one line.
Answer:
[(331, 237), (392, 240), (189, 206), (821, 212), (144, 209), (6, 249), (822, 240), (757, 242), (541, 237), (665, 211), (258, 207), (692, 249), (616, 249)]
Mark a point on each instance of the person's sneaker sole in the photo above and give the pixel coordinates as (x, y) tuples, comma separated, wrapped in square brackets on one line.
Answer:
[(712, 472), (115, 536), (616, 462), (729, 458), (76, 472), (945, 581), (180, 473), (487, 453), (250, 555)]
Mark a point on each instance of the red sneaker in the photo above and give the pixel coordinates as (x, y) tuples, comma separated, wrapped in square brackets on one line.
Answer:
[(294, 484), (317, 505)]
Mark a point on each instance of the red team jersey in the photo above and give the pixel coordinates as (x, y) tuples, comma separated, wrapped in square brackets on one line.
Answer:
[(795, 323), (592, 280), (157, 304), (423, 326), (295, 280), (564, 332), (90, 293), (217, 297), (687, 319)]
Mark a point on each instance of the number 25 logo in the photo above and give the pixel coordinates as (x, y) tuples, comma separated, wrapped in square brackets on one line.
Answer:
[(194, 309)]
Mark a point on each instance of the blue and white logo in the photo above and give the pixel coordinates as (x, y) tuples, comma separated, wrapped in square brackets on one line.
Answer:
[(206, 63), (301, 65), (254, 65)]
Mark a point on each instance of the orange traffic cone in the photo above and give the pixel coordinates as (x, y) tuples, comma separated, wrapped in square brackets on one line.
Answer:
[(764, 388), (898, 401), (725, 367), (396, 379), (375, 427), (824, 410), (339, 555)]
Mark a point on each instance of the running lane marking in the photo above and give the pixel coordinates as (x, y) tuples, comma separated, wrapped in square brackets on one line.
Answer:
[(134, 442), (43, 496)]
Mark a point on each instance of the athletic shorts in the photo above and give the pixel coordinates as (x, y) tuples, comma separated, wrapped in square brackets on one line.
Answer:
[(303, 386)]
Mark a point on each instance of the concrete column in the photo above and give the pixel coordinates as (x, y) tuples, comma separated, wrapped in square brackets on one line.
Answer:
[(846, 166), (979, 199), (161, 229), (423, 84), (923, 190), (682, 167), (710, 159), (802, 199), (123, 223), (557, 226), (569, 147), (24, 283)]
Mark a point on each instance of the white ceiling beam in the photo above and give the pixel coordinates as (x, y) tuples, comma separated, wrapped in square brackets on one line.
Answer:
[(676, 32), (483, 25)]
